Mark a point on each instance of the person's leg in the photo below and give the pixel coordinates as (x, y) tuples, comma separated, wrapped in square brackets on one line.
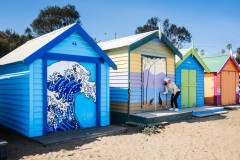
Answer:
[(175, 99), (172, 99), (171, 109)]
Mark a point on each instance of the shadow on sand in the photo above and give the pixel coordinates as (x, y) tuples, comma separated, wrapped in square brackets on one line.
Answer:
[(20, 146)]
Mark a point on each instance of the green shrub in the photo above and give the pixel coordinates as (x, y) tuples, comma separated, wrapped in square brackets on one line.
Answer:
[(149, 130)]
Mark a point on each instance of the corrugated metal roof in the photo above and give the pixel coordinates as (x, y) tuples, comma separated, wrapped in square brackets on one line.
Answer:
[(22, 52), (125, 41), (215, 63)]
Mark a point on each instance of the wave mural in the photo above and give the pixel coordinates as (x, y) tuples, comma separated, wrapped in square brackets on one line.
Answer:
[(66, 81)]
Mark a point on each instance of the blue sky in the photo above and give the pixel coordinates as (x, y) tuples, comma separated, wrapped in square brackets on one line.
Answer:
[(212, 23)]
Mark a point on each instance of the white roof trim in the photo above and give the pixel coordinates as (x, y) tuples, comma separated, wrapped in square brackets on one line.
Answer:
[(124, 41), (22, 52)]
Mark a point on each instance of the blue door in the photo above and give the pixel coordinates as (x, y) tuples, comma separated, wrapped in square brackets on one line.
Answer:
[(71, 92)]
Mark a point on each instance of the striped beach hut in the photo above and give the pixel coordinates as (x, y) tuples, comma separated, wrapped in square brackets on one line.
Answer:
[(190, 78), (222, 83), (56, 82), (143, 60)]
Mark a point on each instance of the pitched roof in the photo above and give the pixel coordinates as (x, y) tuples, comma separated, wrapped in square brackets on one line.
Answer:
[(216, 63), (186, 53), (137, 40), (124, 41), (37, 47), (31, 46)]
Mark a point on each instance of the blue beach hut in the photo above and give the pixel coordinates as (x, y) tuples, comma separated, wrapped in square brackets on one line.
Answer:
[(56, 82), (190, 78)]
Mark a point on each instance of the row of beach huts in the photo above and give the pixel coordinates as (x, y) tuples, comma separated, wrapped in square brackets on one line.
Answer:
[(63, 80)]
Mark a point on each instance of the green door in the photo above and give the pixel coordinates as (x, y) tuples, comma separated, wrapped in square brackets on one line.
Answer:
[(192, 79), (188, 88)]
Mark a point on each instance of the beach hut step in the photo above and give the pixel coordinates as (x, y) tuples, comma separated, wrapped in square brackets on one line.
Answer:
[(232, 107), (210, 114), (130, 123), (80, 134), (3, 149)]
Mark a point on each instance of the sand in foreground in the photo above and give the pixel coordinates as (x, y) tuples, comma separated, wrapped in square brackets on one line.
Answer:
[(215, 137)]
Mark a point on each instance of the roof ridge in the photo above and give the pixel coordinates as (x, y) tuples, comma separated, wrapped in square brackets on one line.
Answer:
[(213, 56)]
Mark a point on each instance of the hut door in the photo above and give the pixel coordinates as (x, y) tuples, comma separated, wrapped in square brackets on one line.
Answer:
[(209, 88), (228, 83), (71, 92), (232, 85), (153, 73), (188, 88)]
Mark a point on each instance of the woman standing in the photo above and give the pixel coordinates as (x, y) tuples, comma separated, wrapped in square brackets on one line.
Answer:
[(171, 86)]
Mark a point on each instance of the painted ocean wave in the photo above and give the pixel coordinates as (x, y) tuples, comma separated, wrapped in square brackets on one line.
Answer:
[(65, 82)]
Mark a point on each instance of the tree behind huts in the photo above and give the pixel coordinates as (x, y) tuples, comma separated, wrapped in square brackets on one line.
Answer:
[(10, 40), (176, 34), (238, 55), (54, 17), (49, 19)]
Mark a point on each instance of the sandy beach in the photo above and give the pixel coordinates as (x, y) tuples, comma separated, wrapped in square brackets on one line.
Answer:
[(216, 137)]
